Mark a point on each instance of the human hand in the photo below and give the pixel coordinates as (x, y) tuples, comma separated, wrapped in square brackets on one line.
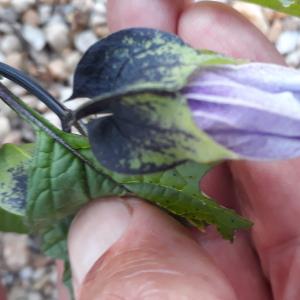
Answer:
[(128, 249)]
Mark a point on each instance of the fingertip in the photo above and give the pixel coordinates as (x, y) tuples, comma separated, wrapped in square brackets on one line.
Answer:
[(218, 27), (150, 247), (159, 14)]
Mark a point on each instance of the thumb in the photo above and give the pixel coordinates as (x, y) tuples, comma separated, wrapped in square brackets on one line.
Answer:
[(129, 249)]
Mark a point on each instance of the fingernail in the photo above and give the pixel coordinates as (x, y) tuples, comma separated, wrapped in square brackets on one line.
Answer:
[(96, 228)]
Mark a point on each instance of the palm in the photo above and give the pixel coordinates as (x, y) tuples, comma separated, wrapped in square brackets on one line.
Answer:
[(267, 193)]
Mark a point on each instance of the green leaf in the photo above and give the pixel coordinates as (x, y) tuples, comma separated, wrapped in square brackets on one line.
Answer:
[(291, 7), (136, 59), (177, 191), (61, 183), (148, 132), (14, 164), (54, 244), (11, 222)]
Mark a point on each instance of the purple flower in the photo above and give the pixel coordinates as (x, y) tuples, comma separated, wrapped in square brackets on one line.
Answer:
[(252, 109)]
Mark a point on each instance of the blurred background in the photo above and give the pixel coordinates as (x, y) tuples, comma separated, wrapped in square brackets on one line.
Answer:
[(45, 39)]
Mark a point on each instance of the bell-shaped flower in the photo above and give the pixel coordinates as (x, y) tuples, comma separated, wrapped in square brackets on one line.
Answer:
[(251, 109)]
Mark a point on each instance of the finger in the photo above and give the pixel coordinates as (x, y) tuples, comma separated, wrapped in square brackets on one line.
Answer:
[(62, 290), (269, 194), (264, 189), (2, 293), (128, 249), (219, 28), (160, 14)]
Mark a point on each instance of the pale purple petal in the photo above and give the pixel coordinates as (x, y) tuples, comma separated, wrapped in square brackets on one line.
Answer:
[(252, 109)]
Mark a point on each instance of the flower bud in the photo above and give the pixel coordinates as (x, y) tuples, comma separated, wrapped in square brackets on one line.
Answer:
[(251, 109)]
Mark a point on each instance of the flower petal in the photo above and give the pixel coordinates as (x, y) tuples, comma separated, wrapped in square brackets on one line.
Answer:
[(252, 109)]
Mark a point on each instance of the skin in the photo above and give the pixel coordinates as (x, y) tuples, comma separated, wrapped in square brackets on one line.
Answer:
[(128, 249)]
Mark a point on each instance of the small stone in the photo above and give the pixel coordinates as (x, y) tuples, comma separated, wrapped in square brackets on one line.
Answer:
[(100, 8), (84, 40), (52, 118), (74, 104), (2, 57), (17, 90), (49, 2), (71, 59), (5, 28), (15, 251), (41, 58), (10, 43), (53, 276), (4, 109), (58, 70), (287, 41), (22, 5), (7, 279), (97, 19), (57, 36), (30, 100), (34, 296), (293, 59), (101, 31), (41, 261), (275, 31), (79, 20), (34, 36), (254, 14), (5, 3), (291, 24), (45, 12), (26, 273), (4, 127), (9, 15), (65, 93), (18, 293), (13, 137), (16, 60), (38, 274), (40, 283), (27, 133), (31, 17)]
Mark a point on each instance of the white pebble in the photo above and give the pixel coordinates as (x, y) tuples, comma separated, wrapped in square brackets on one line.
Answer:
[(34, 36), (52, 118), (44, 12), (100, 7), (10, 43), (97, 19), (2, 57), (58, 69), (57, 35), (293, 59), (5, 28), (287, 41), (4, 127), (84, 40), (15, 251), (71, 59), (22, 5), (15, 59), (26, 273), (34, 296), (65, 93)]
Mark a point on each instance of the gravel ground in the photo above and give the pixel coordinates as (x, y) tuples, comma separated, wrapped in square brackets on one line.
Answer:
[(46, 40)]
